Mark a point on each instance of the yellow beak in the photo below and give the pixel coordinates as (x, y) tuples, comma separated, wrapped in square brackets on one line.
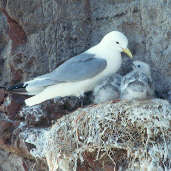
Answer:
[(128, 52)]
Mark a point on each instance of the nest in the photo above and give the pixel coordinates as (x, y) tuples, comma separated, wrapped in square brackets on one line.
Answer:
[(125, 135)]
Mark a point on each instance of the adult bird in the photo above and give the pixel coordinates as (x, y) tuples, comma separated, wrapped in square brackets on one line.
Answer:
[(79, 74)]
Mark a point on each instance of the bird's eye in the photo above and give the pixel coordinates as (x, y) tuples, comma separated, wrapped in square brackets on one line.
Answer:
[(117, 42), (138, 66)]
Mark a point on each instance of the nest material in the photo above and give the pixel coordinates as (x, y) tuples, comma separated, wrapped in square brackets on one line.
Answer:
[(135, 132)]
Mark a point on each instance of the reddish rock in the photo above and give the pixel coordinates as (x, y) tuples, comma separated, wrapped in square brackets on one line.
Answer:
[(15, 32), (4, 125), (6, 130), (12, 109), (84, 168), (109, 168), (16, 74), (90, 160), (10, 140), (54, 111), (2, 95)]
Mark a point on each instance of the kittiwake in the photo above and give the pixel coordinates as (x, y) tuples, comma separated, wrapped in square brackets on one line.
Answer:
[(137, 84), (80, 73)]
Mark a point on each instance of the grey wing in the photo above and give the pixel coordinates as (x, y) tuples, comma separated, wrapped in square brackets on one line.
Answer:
[(81, 67)]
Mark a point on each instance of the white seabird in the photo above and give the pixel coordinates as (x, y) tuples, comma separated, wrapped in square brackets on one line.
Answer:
[(79, 74), (137, 84)]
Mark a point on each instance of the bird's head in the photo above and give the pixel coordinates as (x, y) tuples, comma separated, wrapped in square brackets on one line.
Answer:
[(118, 41), (141, 67)]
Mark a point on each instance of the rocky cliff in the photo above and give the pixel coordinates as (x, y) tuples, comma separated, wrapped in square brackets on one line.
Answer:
[(37, 36)]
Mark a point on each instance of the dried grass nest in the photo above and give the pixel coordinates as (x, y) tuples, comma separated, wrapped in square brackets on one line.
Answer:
[(128, 134)]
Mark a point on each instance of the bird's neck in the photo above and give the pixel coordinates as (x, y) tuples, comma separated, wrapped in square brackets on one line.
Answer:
[(103, 51)]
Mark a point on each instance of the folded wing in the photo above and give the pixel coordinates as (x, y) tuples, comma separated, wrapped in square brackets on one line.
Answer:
[(78, 68)]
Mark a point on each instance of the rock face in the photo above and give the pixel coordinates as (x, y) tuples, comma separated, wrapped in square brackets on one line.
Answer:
[(126, 135), (37, 36), (49, 32)]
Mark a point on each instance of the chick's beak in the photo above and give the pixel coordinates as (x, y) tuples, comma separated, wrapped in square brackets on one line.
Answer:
[(128, 52)]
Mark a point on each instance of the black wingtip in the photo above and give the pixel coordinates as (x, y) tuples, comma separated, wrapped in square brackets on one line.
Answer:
[(3, 88), (17, 86)]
